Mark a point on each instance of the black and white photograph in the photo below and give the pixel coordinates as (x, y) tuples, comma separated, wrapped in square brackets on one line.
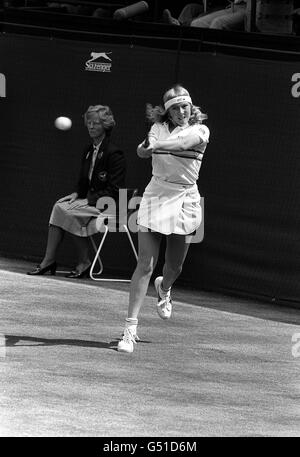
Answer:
[(150, 223)]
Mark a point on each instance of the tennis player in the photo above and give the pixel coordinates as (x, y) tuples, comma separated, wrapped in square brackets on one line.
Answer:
[(171, 202)]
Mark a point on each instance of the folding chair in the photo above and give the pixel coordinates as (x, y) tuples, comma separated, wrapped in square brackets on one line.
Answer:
[(121, 225)]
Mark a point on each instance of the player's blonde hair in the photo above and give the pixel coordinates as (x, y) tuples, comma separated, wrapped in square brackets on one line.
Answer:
[(105, 115), (160, 114)]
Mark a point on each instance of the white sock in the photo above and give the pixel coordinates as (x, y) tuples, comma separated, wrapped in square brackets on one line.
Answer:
[(131, 323)]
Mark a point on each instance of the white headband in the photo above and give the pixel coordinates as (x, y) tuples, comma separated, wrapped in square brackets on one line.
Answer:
[(179, 99)]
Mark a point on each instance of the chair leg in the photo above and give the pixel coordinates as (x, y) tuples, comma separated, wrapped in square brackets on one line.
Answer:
[(131, 242), (97, 256)]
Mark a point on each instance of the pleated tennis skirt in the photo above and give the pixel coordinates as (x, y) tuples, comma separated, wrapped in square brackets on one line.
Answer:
[(170, 208), (80, 221)]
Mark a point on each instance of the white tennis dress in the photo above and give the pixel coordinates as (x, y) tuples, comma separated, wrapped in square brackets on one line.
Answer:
[(171, 201)]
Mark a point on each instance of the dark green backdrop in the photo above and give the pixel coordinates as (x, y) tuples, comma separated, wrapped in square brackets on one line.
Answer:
[(249, 178)]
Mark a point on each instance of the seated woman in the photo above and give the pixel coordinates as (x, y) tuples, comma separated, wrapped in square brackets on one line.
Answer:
[(102, 174)]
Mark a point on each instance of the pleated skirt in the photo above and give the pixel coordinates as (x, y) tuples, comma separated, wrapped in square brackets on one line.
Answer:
[(80, 221), (170, 208)]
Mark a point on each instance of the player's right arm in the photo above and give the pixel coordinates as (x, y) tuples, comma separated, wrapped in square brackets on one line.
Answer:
[(181, 143)]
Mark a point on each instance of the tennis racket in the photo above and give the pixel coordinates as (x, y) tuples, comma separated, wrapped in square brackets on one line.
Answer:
[(146, 142), (149, 123)]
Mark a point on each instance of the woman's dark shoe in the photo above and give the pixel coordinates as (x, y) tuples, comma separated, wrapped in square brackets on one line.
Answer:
[(76, 274), (41, 271)]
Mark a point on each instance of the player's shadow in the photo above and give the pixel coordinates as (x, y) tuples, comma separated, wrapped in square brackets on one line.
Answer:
[(16, 340)]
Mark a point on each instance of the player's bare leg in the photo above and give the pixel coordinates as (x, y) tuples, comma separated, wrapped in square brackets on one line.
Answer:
[(176, 251), (149, 244)]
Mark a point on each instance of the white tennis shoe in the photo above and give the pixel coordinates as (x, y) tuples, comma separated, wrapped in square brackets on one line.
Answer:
[(164, 303), (127, 342)]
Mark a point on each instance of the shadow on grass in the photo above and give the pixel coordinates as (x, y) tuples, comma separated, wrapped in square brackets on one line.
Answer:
[(15, 340)]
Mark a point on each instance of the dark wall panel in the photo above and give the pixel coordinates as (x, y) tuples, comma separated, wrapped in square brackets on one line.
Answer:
[(249, 178)]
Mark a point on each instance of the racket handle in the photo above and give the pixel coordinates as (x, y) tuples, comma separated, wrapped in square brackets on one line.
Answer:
[(146, 142)]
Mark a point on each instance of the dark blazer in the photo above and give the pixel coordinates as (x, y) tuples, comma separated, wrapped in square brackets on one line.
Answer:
[(108, 174)]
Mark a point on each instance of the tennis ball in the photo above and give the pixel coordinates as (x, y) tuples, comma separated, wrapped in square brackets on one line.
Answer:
[(63, 123)]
